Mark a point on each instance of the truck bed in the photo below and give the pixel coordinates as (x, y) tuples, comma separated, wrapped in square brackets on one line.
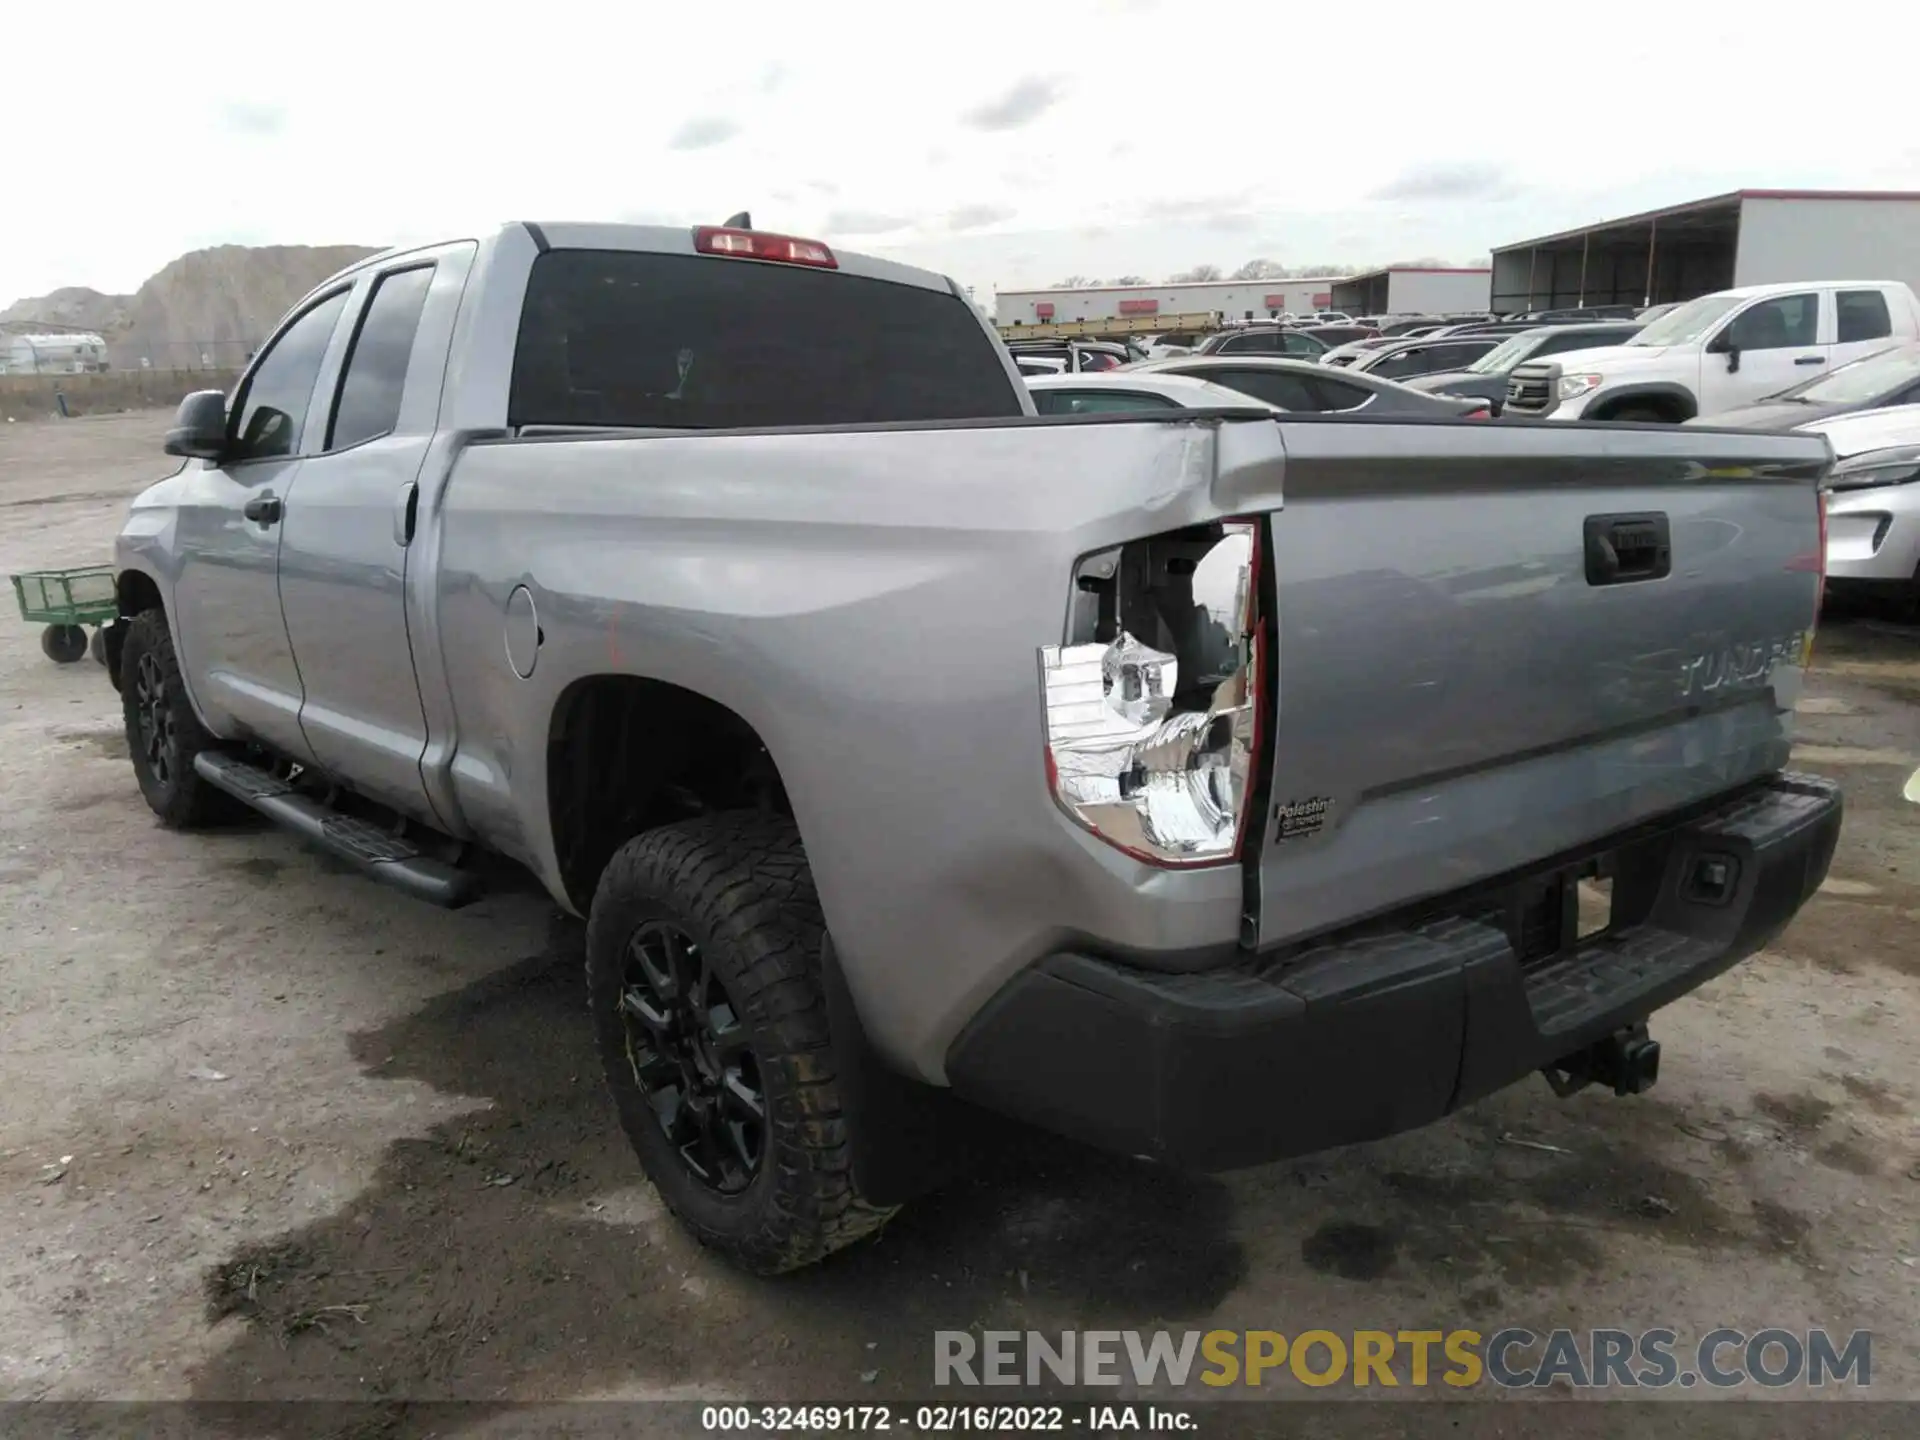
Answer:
[(872, 601)]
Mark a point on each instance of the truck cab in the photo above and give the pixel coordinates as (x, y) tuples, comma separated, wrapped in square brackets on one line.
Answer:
[(1720, 352)]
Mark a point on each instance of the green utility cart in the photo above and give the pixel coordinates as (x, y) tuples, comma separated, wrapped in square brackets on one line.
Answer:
[(66, 602)]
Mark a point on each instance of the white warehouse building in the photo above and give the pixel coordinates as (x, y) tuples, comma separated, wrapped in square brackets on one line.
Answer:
[(1416, 290), (1233, 299), (1747, 237)]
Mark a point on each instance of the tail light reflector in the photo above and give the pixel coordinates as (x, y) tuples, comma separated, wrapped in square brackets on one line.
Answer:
[(1481, 414), (763, 245), (1152, 749)]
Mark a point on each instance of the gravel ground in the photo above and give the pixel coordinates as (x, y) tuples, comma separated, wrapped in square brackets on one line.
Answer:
[(268, 1130)]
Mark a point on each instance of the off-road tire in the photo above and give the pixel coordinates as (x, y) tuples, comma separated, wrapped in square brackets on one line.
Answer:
[(179, 796), (738, 885)]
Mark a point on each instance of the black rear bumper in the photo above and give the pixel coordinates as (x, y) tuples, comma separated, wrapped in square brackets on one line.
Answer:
[(1391, 1028)]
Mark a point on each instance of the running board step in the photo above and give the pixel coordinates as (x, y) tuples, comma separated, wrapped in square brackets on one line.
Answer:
[(366, 847)]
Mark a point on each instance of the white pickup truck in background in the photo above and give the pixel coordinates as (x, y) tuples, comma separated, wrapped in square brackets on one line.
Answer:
[(1720, 351)]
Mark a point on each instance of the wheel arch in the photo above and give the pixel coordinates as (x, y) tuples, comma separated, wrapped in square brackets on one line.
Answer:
[(628, 753), (136, 590), (1674, 399), (135, 593)]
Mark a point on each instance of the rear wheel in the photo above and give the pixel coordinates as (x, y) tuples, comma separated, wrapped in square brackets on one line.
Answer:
[(703, 976), (163, 734)]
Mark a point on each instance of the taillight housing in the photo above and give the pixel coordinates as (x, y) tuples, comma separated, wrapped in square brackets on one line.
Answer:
[(1820, 501), (1483, 413), (1154, 706), (763, 245)]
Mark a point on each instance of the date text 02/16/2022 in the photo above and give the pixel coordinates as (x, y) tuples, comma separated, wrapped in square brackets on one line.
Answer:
[(946, 1419)]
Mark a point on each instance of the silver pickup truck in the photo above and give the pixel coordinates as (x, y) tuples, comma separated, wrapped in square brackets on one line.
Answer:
[(1207, 786)]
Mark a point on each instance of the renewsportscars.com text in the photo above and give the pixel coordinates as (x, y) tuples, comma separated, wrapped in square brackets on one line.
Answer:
[(1511, 1357)]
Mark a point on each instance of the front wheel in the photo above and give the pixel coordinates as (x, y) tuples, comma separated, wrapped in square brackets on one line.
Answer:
[(703, 976), (163, 733)]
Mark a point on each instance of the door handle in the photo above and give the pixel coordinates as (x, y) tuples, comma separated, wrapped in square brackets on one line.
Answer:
[(263, 509), (406, 510), (1623, 549), (1811, 360)]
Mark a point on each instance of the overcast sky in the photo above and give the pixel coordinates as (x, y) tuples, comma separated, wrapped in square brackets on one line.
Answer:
[(1006, 144)]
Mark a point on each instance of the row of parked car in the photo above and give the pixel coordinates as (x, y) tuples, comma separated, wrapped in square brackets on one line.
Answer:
[(1841, 358)]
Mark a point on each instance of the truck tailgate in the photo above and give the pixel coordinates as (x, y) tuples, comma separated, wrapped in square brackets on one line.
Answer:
[(1485, 660)]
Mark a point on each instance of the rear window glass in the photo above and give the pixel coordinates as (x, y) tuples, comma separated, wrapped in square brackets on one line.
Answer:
[(628, 338)]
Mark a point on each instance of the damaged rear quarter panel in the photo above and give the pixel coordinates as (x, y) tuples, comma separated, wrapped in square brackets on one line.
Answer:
[(872, 602)]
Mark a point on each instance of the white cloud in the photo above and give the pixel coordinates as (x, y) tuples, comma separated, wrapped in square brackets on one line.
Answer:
[(1118, 137)]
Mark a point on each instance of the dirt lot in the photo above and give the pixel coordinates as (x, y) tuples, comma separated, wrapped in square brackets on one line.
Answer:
[(270, 1130)]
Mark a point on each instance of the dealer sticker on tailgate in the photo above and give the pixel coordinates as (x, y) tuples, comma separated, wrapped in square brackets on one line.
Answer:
[(1301, 818)]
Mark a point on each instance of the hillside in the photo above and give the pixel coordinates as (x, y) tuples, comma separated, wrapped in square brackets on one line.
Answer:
[(73, 307), (206, 307)]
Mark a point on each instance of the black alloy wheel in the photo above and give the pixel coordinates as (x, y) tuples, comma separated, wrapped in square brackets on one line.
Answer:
[(691, 1058), (159, 740)]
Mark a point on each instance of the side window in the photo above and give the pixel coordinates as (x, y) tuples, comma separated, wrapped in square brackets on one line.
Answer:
[(271, 411), (1258, 342), (376, 370), (1302, 345), (1098, 402), (1412, 361), (1863, 315), (1336, 395), (1272, 387), (1776, 324)]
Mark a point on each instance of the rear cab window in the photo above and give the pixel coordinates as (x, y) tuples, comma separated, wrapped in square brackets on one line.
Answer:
[(636, 339)]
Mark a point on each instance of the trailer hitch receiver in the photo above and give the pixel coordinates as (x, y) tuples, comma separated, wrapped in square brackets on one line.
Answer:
[(1627, 1060)]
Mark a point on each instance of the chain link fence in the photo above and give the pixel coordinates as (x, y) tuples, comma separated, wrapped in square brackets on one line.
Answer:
[(24, 351)]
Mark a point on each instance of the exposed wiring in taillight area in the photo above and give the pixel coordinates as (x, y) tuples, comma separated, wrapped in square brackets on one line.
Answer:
[(1155, 704)]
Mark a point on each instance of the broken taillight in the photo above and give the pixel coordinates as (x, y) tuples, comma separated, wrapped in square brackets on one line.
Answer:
[(1154, 707)]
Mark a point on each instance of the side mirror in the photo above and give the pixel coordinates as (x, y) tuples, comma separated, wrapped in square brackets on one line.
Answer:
[(199, 426), (1724, 344)]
